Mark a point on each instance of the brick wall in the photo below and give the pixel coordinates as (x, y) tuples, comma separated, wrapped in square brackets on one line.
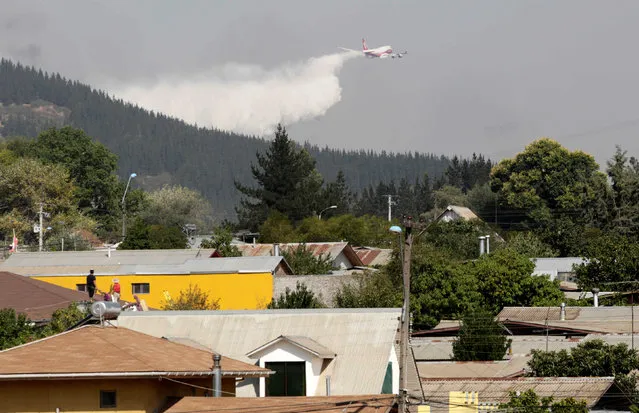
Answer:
[(326, 285)]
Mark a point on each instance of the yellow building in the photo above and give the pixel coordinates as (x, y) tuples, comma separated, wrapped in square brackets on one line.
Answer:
[(156, 276), (95, 369)]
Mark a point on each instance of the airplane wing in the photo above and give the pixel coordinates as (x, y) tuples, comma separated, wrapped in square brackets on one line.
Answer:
[(349, 50)]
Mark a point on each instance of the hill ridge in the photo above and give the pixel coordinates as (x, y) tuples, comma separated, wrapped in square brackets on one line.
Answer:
[(158, 145)]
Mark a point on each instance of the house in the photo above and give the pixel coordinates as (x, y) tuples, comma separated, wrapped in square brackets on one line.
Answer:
[(561, 269), (98, 368), (455, 212), (343, 256), (238, 282), (373, 403), (38, 300), (327, 351)]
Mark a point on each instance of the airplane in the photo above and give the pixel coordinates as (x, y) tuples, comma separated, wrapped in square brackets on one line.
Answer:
[(378, 52)]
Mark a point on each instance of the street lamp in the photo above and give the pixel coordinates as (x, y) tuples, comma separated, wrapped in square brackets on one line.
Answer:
[(133, 175), (326, 209)]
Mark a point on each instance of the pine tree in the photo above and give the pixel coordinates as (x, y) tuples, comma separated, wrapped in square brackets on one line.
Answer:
[(287, 182), (480, 338)]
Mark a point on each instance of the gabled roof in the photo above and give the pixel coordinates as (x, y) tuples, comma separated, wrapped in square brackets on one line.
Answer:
[(362, 338), (373, 256), (95, 351), (590, 389), (460, 211), (374, 403), (307, 344), (36, 299), (332, 249)]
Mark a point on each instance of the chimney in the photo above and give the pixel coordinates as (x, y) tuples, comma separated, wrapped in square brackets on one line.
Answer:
[(562, 312), (595, 296), (328, 385), (487, 244), (217, 376), (276, 250), (482, 248)]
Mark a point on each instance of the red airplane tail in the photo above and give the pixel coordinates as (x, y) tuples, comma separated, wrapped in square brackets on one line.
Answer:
[(364, 47)]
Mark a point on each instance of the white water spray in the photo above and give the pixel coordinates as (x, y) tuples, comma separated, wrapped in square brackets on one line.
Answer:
[(246, 98)]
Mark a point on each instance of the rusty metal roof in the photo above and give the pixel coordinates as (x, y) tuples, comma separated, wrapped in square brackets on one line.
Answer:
[(373, 256), (332, 249)]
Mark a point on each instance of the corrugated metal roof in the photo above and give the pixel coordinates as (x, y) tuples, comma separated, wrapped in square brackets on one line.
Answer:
[(441, 348), (513, 367), (332, 249), (615, 319), (95, 258), (186, 266), (373, 256), (590, 389), (363, 339)]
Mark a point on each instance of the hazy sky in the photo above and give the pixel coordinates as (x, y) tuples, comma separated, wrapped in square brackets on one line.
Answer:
[(480, 76)]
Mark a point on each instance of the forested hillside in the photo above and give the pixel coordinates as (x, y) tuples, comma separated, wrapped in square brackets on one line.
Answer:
[(161, 149)]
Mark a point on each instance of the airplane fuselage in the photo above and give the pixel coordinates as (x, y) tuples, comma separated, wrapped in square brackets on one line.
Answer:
[(382, 52)]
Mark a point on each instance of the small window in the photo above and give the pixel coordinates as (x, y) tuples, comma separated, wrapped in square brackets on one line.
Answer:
[(141, 288), (81, 287), (107, 399)]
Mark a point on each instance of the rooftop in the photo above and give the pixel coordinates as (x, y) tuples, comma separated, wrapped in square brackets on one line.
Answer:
[(590, 389), (62, 265), (362, 338), (96, 351), (36, 299), (332, 249), (327, 404)]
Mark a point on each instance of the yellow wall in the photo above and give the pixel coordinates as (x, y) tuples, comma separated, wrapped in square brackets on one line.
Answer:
[(235, 291), (79, 396), (463, 402)]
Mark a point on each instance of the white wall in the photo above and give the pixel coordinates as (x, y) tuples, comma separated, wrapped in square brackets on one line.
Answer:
[(395, 367), (284, 351), (341, 262)]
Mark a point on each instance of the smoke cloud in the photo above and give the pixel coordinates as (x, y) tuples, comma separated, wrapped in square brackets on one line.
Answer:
[(244, 98)]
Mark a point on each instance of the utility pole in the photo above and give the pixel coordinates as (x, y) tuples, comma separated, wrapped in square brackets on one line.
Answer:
[(405, 320), (41, 223), (390, 205)]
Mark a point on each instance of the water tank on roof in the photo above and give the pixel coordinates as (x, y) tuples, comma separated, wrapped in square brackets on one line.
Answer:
[(107, 310)]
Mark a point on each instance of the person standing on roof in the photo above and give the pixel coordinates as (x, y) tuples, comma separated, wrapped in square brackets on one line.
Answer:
[(91, 285)]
